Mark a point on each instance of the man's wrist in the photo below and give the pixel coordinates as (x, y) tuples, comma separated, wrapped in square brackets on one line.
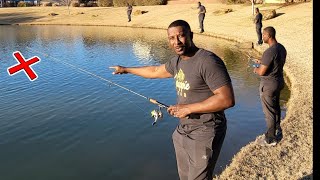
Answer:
[(125, 70)]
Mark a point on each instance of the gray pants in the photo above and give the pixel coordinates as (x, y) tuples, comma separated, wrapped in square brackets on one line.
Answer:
[(258, 30), (270, 101), (197, 152), (201, 18), (129, 15)]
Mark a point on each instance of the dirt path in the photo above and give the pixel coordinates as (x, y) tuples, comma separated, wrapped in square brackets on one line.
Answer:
[(292, 157)]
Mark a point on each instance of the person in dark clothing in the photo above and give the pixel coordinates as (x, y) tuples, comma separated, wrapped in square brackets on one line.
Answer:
[(258, 22), (201, 15), (272, 82), (204, 91), (129, 11)]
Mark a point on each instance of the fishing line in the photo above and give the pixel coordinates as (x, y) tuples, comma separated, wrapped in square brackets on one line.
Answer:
[(155, 113), (126, 98), (90, 73)]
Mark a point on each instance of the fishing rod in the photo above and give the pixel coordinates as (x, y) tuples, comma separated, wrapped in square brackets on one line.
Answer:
[(251, 61), (156, 114)]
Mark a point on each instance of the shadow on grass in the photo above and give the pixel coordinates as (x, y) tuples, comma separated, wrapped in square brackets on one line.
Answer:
[(17, 18), (279, 14), (307, 177)]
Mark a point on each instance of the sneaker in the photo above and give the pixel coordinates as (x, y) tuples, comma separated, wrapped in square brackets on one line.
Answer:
[(261, 141), (201, 31)]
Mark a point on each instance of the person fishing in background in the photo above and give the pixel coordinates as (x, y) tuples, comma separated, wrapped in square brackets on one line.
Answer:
[(201, 15), (204, 91), (270, 70), (258, 22), (129, 11)]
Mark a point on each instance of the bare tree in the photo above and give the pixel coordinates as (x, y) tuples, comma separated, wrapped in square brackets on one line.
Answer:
[(66, 3)]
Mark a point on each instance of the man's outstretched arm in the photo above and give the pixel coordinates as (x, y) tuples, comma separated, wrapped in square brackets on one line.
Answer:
[(144, 71)]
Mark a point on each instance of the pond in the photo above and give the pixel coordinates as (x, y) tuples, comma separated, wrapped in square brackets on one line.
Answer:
[(72, 124)]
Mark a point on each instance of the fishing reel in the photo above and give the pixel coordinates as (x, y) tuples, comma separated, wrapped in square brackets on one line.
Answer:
[(156, 114)]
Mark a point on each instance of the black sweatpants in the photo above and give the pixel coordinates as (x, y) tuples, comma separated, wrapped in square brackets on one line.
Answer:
[(270, 101)]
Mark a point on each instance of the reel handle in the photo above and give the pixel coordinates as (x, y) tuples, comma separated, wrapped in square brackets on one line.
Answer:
[(162, 105)]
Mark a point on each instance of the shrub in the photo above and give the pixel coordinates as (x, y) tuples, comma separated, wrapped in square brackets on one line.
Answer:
[(120, 3), (237, 1), (268, 14), (150, 2), (9, 4), (75, 4), (105, 3), (22, 4), (139, 12), (46, 3), (56, 4), (222, 11), (92, 4)]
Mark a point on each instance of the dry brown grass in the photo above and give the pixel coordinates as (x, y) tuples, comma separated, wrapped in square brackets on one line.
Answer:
[(292, 157)]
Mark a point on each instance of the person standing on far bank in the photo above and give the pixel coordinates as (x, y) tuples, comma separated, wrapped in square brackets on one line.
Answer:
[(270, 70), (258, 22), (129, 11), (204, 91), (201, 15)]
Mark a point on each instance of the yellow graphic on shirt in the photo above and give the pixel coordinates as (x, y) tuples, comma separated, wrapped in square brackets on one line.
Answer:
[(181, 84)]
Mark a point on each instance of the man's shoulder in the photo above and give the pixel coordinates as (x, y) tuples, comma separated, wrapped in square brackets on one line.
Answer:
[(207, 52), (206, 55), (270, 50), (274, 49), (281, 48), (281, 45)]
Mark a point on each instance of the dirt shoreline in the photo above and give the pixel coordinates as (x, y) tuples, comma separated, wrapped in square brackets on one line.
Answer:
[(292, 157)]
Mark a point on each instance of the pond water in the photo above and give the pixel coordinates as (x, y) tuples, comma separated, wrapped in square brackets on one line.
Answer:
[(68, 124)]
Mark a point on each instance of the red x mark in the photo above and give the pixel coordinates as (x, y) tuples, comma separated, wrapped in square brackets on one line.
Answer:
[(24, 65)]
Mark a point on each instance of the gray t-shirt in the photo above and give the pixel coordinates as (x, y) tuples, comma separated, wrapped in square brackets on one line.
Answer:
[(195, 79), (129, 8), (202, 9), (274, 57), (258, 20)]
